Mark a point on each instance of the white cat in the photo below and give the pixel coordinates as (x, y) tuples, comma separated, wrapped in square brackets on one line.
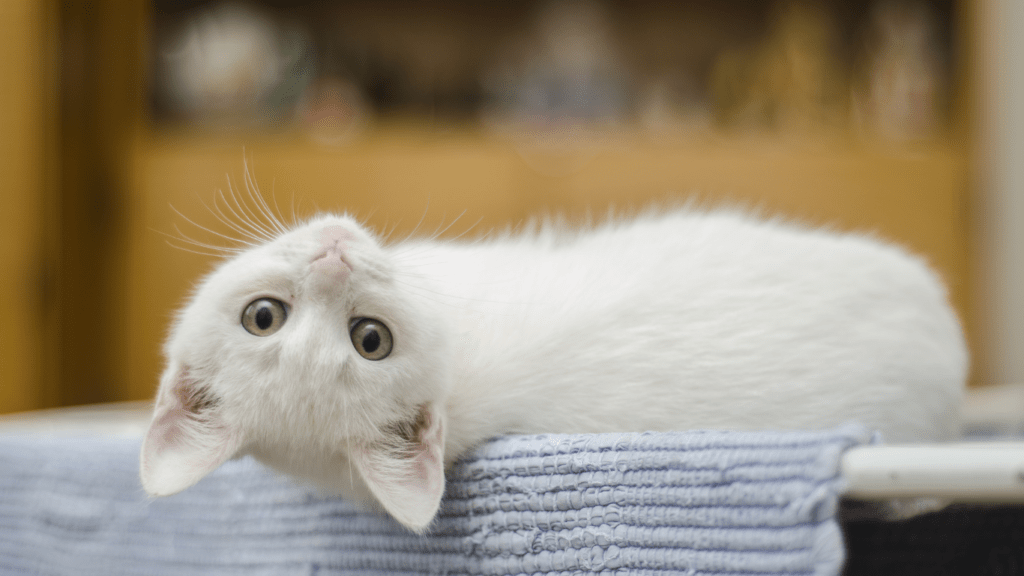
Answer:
[(367, 367)]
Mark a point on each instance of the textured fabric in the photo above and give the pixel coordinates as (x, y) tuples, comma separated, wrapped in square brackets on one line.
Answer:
[(675, 503)]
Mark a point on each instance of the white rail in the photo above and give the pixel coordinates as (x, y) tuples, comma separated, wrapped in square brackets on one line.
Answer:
[(963, 472)]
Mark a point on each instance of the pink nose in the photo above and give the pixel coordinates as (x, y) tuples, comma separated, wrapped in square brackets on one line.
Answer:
[(331, 256)]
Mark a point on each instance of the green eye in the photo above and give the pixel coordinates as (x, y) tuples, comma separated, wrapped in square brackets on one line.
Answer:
[(263, 317), (372, 339)]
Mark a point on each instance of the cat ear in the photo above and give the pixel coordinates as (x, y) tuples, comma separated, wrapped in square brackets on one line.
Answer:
[(408, 481), (187, 438)]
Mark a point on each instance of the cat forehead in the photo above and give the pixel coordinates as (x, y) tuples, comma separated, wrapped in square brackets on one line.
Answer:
[(279, 260), (325, 227), (311, 235)]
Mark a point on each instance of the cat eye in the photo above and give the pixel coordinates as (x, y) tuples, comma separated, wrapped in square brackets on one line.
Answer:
[(372, 339), (263, 317)]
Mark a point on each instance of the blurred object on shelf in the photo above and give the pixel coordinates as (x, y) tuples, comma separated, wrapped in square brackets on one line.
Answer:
[(900, 79), (567, 79), (332, 110), (674, 105), (412, 59), (557, 72), (231, 64), (792, 82)]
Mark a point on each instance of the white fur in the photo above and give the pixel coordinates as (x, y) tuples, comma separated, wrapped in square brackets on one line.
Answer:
[(677, 321)]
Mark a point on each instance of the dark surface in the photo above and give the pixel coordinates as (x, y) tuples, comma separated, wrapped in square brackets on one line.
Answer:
[(970, 540)]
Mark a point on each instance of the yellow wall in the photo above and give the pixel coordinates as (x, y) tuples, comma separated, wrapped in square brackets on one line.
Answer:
[(22, 203)]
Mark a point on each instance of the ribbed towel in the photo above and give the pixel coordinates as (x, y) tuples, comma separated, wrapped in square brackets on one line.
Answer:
[(692, 503)]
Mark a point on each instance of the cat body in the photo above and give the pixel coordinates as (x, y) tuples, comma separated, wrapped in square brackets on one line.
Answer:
[(674, 321)]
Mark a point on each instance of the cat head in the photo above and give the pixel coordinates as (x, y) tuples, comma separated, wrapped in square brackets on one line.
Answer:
[(315, 354)]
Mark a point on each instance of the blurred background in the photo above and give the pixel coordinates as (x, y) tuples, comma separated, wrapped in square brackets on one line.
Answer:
[(121, 119)]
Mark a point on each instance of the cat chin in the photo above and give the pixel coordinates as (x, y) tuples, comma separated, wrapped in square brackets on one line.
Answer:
[(402, 473), (332, 474), (334, 471)]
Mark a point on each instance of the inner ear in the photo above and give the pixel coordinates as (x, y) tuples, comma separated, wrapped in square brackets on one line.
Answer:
[(406, 472), (187, 439)]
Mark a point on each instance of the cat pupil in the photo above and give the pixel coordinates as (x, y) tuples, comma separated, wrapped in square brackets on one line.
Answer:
[(371, 342), (371, 339), (264, 318)]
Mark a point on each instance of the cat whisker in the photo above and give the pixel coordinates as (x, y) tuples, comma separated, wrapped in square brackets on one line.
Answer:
[(316, 207), (299, 215), (182, 248), (424, 246), (224, 219), (365, 221), (466, 231), (439, 232), (241, 226), (252, 188), (420, 223), (257, 209), (386, 239), (186, 238), (256, 212), (280, 215), (249, 216), (237, 224), (294, 217), (261, 204), (214, 232), (221, 250)]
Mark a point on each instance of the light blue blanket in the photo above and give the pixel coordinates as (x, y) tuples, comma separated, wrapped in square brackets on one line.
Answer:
[(675, 503)]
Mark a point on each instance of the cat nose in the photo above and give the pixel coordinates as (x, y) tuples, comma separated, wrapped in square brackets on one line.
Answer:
[(331, 255)]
